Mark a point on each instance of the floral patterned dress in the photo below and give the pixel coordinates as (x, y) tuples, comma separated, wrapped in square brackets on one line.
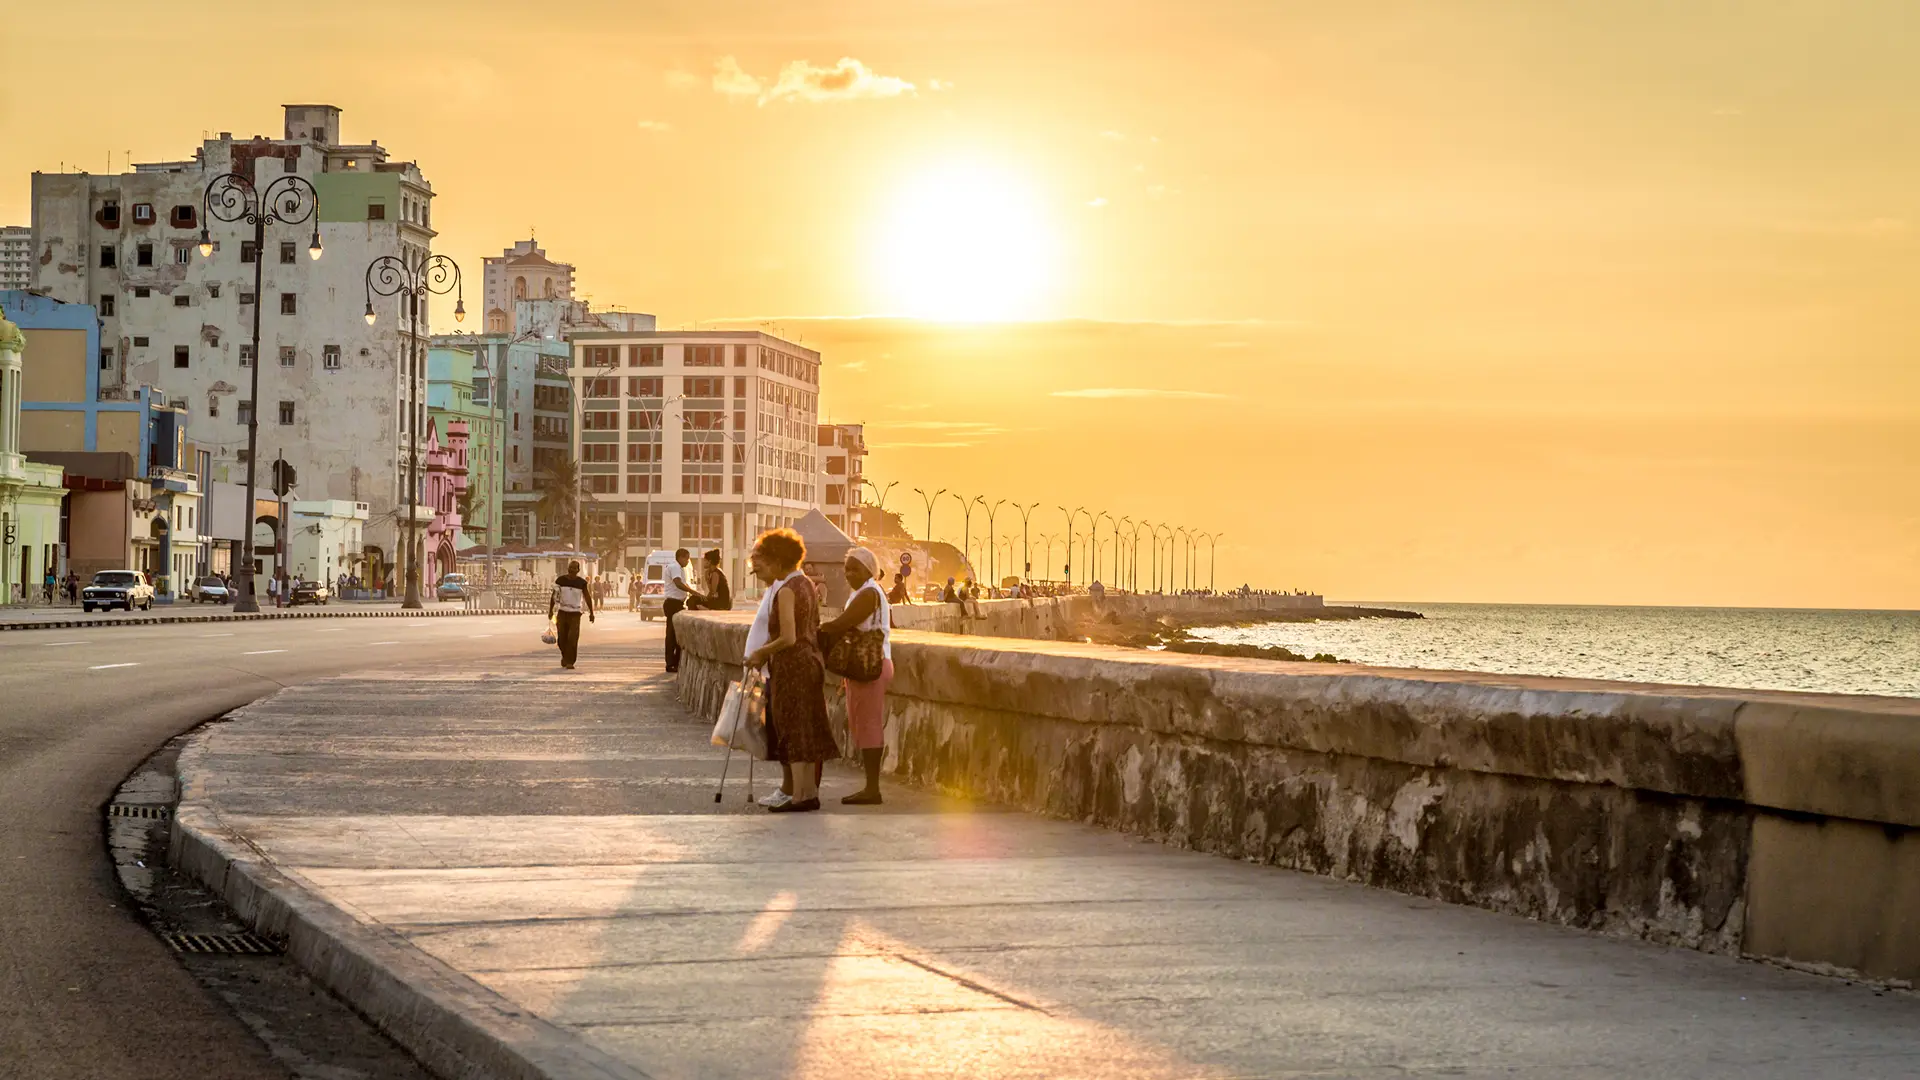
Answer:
[(797, 724)]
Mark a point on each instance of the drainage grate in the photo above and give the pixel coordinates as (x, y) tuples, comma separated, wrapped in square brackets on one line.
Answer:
[(230, 944), (139, 810)]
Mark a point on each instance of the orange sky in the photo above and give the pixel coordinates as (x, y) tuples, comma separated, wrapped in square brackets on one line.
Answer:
[(1561, 302)]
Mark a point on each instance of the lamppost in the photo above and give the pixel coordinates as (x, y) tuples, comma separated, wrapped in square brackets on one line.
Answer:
[(1067, 568), (1026, 549), (883, 498), (1186, 563), (1046, 539), (1128, 575), (929, 499), (1162, 571), (288, 200), (390, 275), (1096, 541), (1212, 562), (993, 569), (966, 528)]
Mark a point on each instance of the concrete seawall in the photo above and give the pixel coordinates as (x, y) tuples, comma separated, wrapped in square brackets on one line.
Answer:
[(1774, 825)]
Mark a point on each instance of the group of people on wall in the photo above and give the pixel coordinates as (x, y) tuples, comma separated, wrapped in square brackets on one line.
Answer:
[(788, 642)]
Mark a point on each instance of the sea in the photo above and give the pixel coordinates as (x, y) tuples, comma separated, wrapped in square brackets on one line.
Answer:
[(1834, 652)]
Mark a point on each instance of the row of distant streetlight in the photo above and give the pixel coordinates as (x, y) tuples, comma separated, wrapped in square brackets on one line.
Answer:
[(1177, 570), (291, 200)]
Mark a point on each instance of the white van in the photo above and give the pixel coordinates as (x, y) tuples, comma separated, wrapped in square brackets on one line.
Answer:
[(653, 588)]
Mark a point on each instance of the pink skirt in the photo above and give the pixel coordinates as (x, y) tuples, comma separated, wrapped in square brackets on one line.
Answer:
[(867, 709)]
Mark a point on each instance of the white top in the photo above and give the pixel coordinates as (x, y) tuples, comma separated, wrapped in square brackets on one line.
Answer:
[(761, 631), (675, 587), (880, 620), (571, 599)]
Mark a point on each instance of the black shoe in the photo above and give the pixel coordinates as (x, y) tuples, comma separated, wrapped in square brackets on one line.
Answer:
[(862, 798), (795, 807)]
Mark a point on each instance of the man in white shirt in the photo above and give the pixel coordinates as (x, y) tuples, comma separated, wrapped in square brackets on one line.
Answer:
[(677, 592), (571, 594)]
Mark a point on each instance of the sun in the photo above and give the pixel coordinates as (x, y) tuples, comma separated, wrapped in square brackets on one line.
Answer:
[(965, 242)]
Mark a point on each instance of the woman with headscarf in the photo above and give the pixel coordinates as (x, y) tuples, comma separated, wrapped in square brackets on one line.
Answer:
[(785, 639), (867, 609)]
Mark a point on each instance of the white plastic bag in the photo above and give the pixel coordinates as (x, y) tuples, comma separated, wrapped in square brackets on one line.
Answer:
[(743, 721)]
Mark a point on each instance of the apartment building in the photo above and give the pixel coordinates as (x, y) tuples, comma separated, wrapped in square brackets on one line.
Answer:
[(695, 438), (843, 452), (16, 256), (521, 272), (334, 389)]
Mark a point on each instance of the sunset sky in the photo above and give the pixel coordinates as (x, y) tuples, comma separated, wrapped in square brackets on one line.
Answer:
[(1555, 302)]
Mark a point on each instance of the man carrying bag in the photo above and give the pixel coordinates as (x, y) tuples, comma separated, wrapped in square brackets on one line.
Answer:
[(570, 594)]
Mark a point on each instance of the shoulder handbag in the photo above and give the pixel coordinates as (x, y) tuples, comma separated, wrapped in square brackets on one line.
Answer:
[(857, 654)]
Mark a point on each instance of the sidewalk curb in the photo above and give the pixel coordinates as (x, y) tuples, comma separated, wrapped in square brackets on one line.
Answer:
[(457, 1028), (89, 622)]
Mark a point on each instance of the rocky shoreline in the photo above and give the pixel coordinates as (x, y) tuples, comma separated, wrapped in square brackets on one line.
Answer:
[(1170, 632)]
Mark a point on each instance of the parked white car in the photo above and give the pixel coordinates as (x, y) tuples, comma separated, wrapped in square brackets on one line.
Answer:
[(127, 589), (210, 590)]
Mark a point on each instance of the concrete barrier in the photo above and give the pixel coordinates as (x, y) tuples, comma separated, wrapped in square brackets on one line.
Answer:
[(1053, 617), (1774, 825)]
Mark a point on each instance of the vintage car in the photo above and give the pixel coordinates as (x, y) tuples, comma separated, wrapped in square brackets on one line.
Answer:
[(125, 589)]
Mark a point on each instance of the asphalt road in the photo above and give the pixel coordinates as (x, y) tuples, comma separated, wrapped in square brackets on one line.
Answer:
[(85, 990)]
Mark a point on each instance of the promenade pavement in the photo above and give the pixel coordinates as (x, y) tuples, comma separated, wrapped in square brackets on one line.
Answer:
[(532, 860)]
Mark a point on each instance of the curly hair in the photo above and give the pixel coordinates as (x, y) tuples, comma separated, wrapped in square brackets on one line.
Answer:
[(782, 548)]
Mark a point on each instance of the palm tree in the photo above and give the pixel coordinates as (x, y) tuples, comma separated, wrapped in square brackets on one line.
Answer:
[(560, 497), (608, 539)]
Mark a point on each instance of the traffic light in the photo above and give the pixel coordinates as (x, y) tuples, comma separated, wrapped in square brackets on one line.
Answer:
[(283, 478)]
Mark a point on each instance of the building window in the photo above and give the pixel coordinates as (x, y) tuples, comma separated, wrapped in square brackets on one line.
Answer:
[(243, 414), (141, 292), (182, 300), (142, 213), (600, 355), (106, 359), (602, 388), (286, 252), (143, 255), (213, 406), (739, 485), (516, 458), (740, 421), (739, 356), (179, 356), (700, 485), (330, 357), (139, 343), (644, 386), (516, 421), (108, 256), (184, 217), (248, 253), (704, 386), (288, 304), (182, 255), (706, 355), (643, 484), (645, 355), (376, 211), (643, 451), (246, 354), (708, 451), (286, 412), (600, 451), (106, 305), (740, 386), (603, 485), (645, 420), (213, 290), (600, 421), (703, 420), (287, 356)]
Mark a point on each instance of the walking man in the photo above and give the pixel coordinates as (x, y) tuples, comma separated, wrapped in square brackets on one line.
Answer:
[(570, 593), (678, 592)]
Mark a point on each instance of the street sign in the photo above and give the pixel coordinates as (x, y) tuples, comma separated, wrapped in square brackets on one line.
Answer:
[(284, 478)]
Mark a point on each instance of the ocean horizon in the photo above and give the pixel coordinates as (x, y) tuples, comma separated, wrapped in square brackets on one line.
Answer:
[(1816, 650)]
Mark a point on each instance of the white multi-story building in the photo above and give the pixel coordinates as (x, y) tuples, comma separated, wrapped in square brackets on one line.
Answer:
[(699, 438), (843, 452), (333, 389), (16, 256), (522, 272)]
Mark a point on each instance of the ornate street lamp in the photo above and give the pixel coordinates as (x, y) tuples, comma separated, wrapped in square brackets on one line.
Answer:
[(1067, 568), (390, 275), (1026, 549), (288, 200), (993, 570), (966, 529)]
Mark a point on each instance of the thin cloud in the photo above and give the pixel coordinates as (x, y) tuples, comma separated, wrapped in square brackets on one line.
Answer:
[(1135, 392), (1113, 136), (659, 127), (1097, 201), (681, 80), (970, 427), (1228, 345), (847, 80), (919, 445)]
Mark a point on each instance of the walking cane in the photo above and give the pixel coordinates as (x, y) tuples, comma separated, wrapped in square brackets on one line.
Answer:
[(724, 762)]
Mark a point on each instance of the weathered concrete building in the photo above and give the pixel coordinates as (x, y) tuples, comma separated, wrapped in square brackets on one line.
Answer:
[(334, 389), (843, 452), (522, 272), (30, 492)]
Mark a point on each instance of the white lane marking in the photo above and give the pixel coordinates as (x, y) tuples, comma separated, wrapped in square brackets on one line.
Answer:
[(331, 630), (51, 644), (383, 643), (216, 635), (103, 667), (262, 652), (479, 635)]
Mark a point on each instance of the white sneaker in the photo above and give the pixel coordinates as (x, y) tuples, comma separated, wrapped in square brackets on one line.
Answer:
[(778, 798)]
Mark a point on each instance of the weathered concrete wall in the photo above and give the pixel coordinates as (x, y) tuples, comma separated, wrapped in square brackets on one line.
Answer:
[(1053, 618), (1775, 825)]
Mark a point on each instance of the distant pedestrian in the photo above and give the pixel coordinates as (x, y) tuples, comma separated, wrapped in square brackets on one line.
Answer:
[(634, 588), (950, 596), (866, 611), (785, 639), (678, 592), (570, 593)]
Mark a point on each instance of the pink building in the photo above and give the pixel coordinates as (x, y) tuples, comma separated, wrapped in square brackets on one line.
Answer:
[(441, 490)]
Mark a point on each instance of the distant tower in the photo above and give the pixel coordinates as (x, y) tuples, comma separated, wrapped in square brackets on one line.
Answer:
[(522, 272)]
